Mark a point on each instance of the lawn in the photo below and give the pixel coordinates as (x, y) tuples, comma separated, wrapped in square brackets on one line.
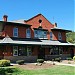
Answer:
[(55, 70)]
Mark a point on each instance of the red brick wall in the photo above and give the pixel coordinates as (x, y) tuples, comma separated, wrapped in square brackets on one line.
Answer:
[(55, 35), (35, 51), (21, 30), (45, 24), (8, 51), (35, 24)]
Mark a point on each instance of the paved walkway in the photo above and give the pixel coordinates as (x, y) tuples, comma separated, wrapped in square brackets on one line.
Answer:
[(56, 63), (59, 63)]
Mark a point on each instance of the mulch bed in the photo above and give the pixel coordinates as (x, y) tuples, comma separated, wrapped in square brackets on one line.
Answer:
[(34, 66)]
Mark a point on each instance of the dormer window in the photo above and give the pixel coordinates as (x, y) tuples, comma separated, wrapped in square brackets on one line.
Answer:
[(59, 36), (15, 32), (51, 36), (40, 34), (28, 33)]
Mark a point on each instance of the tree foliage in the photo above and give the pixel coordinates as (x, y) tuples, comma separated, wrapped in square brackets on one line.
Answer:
[(70, 37)]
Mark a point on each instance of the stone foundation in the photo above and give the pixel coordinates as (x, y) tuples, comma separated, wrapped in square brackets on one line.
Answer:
[(26, 58), (50, 57)]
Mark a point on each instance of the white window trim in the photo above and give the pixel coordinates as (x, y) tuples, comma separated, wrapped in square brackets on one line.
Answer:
[(14, 32), (16, 50), (52, 36), (28, 51), (59, 36), (35, 35), (40, 36), (27, 34)]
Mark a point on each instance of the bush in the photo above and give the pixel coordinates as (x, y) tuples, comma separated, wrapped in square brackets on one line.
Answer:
[(20, 62), (7, 70), (69, 62), (40, 60), (58, 59), (4, 63), (69, 58), (74, 58)]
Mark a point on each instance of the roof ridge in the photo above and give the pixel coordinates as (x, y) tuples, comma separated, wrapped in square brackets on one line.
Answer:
[(36, 16), (33, 17)]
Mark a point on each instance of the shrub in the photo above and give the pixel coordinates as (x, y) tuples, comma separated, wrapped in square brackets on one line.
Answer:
[(20, 62), (52, 59), (69, 62), (58, 59), (74, 58), (7, 70), (69, 58), (4, 63), (40, 60)]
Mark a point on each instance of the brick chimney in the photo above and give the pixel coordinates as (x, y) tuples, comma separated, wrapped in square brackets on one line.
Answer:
[(55, 25), (5, 18)]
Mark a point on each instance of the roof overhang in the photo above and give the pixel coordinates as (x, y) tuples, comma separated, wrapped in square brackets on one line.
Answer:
[(40, 29), (59, 29), (8, 40), (15, 24)]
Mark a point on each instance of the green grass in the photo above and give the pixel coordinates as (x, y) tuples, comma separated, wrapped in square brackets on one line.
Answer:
[(56, 70)]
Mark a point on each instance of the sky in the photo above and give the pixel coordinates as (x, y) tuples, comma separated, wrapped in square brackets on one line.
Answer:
[(59, 11)]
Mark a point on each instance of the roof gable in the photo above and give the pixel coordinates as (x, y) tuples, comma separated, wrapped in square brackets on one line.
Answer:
[(34, 21)]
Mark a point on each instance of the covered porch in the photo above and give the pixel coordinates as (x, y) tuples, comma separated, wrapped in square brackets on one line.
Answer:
[(32, 50)]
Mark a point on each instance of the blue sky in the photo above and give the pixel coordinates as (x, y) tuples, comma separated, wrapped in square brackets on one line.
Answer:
[(59, 11)]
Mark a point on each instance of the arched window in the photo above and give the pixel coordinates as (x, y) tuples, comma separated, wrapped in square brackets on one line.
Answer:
[(59, 36), (15, 32), (28, 33), (51, 36)]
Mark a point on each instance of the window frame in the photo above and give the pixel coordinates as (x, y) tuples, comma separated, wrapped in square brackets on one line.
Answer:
[(51, 36), (28, 35), (59, 36), (54, 51), (29, 54), (15, 32), (15, 50), (40, 34), (60, 50), (22, 50)]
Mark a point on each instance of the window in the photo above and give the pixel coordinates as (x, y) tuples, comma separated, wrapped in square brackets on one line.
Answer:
[(54, 51), (51, 36), (59, 36), (29, 51), (15, 50), (28, 33), (40, 34), (15, 32), (44, 34), (60, 50), (22, 51), (35, 33)]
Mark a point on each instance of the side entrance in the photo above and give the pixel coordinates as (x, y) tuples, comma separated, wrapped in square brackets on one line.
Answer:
[(41, 53)]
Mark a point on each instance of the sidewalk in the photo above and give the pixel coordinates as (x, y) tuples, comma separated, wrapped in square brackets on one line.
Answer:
[(59, 63), (56, 63)]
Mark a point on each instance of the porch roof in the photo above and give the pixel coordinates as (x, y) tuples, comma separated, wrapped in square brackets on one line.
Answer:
[(8, 40)]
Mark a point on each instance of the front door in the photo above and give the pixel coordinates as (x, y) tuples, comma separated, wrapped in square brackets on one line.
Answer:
[(41, 53), (72, 53)]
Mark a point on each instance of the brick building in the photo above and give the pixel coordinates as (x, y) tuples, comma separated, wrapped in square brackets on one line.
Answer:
[(32, 39)]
